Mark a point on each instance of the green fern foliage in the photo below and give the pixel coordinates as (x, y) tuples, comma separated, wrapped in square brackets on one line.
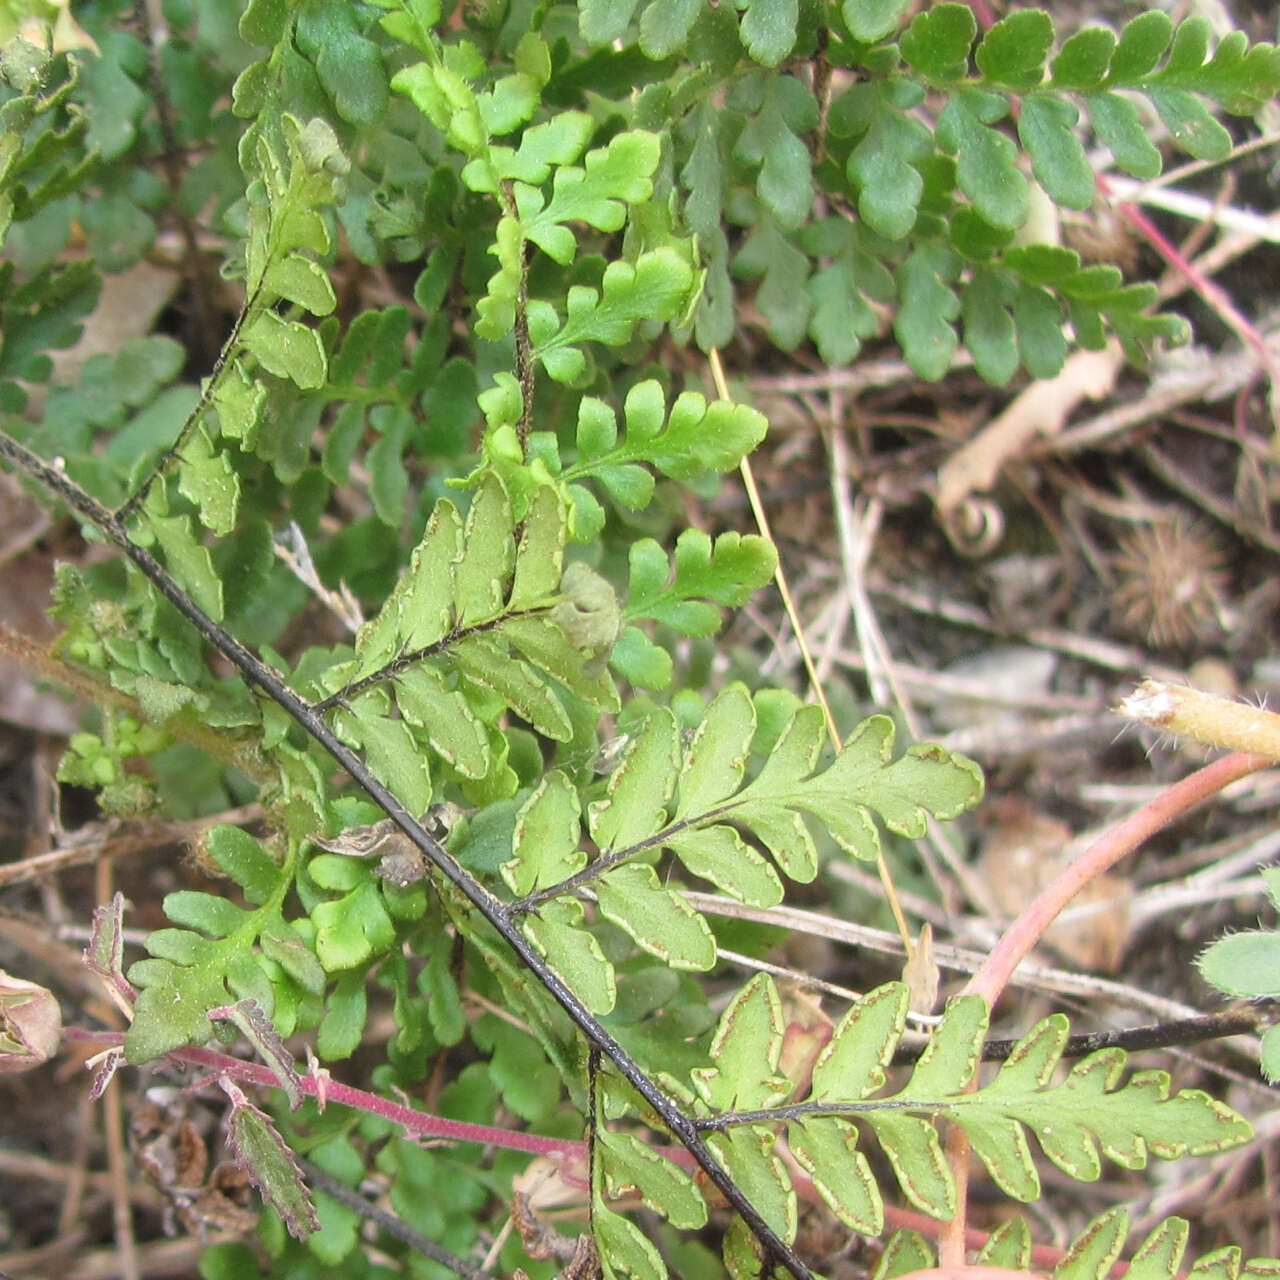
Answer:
[(478, 623), (693, 799), (657, 286), (40, 129), (745, 1100), (1091, 1256), (942, 209), (691, 439), (750, 1108)]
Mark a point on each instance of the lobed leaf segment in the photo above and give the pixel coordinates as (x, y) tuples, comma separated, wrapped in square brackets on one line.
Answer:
[(657, 286), (1161, 1256), (483, 621), (692, 797), (753, 1112), (42, 159)]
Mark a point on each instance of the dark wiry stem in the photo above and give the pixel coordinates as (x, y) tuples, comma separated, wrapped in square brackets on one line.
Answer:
[(270, 683), (388, 1222), (593, 1119), (1243, 1019), (822, 86), (524, 348), (607, 861), (1159, 1035)]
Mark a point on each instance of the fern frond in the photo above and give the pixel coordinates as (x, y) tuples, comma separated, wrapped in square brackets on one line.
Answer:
[(1091, 1256), (690, 799), (477, 624), (1092, 1107)]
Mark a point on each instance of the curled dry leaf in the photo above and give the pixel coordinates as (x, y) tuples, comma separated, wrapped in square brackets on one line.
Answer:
[(171, 1151), (921, 973), (30, 1024), (400, 860), (808, 1033), (552, 1182), (1042, 409), (541, 1240)]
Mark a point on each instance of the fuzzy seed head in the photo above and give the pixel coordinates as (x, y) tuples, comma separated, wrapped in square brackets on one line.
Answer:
[(1171, 577)]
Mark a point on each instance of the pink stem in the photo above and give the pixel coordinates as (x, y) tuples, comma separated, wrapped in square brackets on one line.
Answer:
[(1209, 290), (423, 1125), (989, 982), (992, 978), (418, 1123), (982, 12)]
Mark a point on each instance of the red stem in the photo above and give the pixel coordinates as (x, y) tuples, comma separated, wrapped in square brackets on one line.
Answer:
[(418, 1123), (1213, 294), (990, 980), (422, 1125)]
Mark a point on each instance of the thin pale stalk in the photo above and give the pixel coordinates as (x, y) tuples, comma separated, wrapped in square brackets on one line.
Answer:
[(806, 654)]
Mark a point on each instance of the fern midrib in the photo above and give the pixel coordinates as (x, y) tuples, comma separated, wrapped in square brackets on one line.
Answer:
[(615, 857), (406, 660), (1025, 1108)]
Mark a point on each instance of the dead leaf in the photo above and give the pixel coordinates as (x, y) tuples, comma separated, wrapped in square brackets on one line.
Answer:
[(921, 973), (540, 1239), (169, 1147), (127, 308), (1042, 409), (553, 1182), (808, 1032), (24, 698), (1023, 853)]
